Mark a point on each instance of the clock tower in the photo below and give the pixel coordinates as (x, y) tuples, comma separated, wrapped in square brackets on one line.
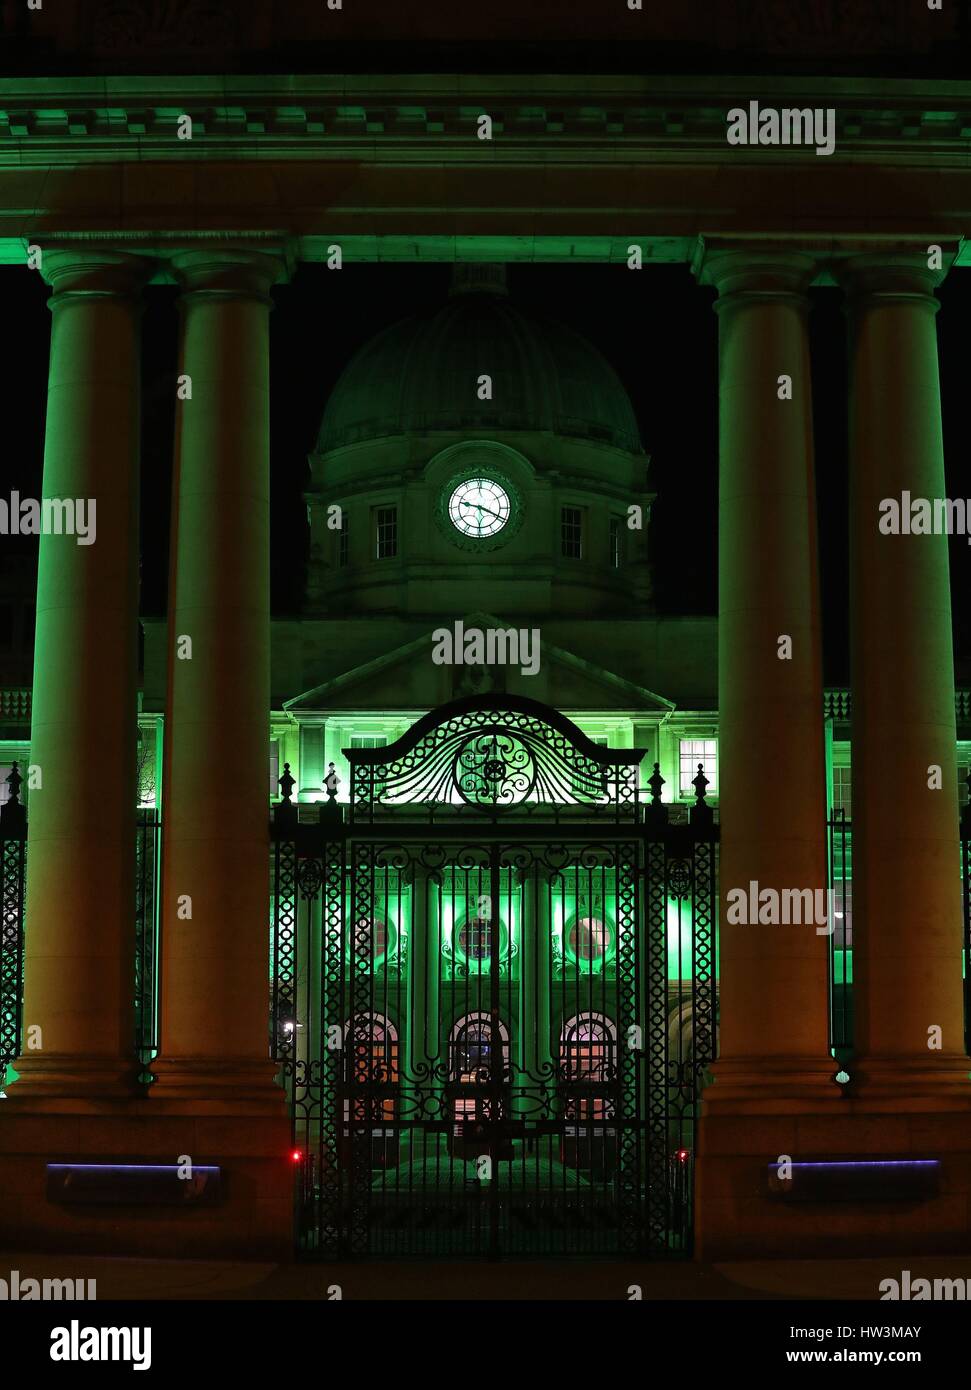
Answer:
[(479, 456)]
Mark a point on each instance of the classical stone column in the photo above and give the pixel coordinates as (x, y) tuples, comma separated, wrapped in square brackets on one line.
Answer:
[(773, 976), (215, 885), (81, 851), (906, 867), (535, 1053), (425, 1050)]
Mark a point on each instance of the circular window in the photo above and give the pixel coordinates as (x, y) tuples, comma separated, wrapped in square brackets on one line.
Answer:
[(371, 936), (474, 940), (479, 507), (588, 942)]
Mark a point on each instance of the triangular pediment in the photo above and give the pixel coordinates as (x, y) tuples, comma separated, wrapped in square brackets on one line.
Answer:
[(407, 677)]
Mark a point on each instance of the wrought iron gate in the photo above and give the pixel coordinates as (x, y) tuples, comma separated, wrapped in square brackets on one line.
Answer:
[(13, 873), (13, 878), (493, 994)]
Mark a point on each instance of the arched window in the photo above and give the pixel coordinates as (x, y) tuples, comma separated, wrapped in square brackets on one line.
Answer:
[(471, 1047), (371, 1042), (588, 1060), (475, 1042)]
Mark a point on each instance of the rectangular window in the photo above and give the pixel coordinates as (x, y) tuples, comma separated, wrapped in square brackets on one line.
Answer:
[(963, 795), (693, 752), (387, 532), (371, 741), (342, 549), (5, 771), (585, 786), (571, 533), (274, 769), (842, 799), (616, 542)]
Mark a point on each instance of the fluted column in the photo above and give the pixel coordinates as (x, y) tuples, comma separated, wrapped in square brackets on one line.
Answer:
[(773, 977), (79, 977), (906, 867), (215, 886)]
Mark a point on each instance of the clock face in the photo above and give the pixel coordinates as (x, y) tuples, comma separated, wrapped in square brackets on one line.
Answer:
[(479, 507)]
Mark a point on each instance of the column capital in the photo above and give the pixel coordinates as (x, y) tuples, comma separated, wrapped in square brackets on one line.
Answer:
[(891, 275), (753, 270), (79, 269), (230, 272)]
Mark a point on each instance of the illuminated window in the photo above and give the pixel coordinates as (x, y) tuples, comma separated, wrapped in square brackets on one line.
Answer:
[(476, 1044), (588, 1044), (371, 741), (372, 1065), (475, 939), (587, 939), (371, 937), (586, 786), (386, 527), (693, 752), (571, 533), (842, 791)]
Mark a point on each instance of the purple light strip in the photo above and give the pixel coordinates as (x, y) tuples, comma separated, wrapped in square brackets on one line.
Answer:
[(129, 1167), (862, 1163)]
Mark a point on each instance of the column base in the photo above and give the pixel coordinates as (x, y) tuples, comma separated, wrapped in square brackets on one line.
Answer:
[(765, 1085), (241, 1084), (53, 1077), (906, 1083), (738, 1215)]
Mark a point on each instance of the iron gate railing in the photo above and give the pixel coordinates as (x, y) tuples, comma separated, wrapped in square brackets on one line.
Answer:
[(491, 1008), (13, 864), (13, 875), (148, 867), (839, 831)]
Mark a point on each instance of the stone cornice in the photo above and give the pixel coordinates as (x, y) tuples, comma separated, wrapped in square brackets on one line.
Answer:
[(416, 117)]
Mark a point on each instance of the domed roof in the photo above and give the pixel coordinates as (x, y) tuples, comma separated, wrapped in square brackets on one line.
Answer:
[(422, 373)]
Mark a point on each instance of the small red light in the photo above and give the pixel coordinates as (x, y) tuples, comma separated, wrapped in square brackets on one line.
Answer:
[(683, 1154), (296, 1155)]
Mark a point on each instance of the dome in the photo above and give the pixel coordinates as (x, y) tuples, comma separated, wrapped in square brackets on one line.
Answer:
[(421, 375)]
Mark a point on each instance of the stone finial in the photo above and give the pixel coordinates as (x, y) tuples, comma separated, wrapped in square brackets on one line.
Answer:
[(287, 783), (700, 783)]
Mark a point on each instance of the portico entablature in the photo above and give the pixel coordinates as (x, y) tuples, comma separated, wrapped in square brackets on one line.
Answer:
[(395, 167)]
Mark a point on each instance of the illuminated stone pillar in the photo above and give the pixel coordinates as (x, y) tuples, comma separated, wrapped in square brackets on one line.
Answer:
[(534, 1080), (906, 867), (424, 1055), (773, 978), (215, 970), (81, 852)]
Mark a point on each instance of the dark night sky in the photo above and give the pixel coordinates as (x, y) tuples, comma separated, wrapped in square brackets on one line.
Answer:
[(655, 326)]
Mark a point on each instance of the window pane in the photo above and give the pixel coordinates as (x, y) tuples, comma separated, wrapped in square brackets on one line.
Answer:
[(693, 752), (571, 533), (387, 532)]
